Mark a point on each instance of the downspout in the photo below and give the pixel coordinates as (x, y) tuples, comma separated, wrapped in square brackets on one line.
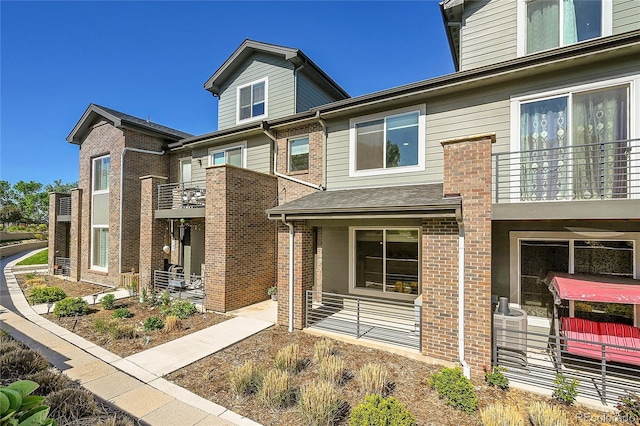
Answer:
[(124, 151), (325, 133), (461, 273), (266, 131), (291, 233), (295, 87)]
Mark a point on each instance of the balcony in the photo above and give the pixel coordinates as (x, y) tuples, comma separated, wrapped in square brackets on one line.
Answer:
[(64, 209), (600, 172), (186, 199)]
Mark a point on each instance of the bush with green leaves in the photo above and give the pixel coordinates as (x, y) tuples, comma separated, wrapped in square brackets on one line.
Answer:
[(19, 407), (629, 407), (46, 294), (165, 299), (180, 308), (565, 390), (452, 385), (376, 410), (122, 313), (108, 301), (495, 377), (152, 323), (70, 306)]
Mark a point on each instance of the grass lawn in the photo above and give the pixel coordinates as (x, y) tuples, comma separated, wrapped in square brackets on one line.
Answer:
[(41, 258)]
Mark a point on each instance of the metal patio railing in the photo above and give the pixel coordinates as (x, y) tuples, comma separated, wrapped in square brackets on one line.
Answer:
[(183, 195), (599, 171), (64, 206), (180, 286), (545, 355), (64, 266), (365, 318)]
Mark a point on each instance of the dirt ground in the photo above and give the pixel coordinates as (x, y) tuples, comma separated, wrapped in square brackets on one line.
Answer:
[(71, 288)]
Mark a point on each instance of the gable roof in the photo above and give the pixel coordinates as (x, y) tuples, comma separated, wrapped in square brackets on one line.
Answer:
[(120, 119), (452, 18), (295, 56)]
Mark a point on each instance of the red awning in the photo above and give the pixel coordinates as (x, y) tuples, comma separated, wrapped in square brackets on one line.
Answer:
[(595, 289)]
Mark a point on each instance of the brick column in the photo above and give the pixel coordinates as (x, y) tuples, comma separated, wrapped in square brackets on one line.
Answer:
[(303, 252), (467, 171), (151, 230), (75, 235), (215, 240)]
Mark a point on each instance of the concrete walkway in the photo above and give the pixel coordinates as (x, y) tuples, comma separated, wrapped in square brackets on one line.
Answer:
[(134, 384)]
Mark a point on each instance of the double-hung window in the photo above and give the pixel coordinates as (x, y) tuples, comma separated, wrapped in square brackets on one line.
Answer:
[(234, 155), (299, 154), (575, 144), (252, 101), (554, 23), (388, 143), (101, 167), (385, 261)]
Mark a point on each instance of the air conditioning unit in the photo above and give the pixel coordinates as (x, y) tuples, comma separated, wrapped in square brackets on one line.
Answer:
[(510, 329)]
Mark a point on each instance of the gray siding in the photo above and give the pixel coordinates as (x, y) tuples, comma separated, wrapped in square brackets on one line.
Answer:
[(626, 16), (309, 94), (280, 88), (488, 34)]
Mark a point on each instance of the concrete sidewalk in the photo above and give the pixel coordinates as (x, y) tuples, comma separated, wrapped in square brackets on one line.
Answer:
[(134, 384)]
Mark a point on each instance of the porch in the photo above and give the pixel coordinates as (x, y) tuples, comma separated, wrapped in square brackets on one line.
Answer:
[(183, 199), (180, 286)]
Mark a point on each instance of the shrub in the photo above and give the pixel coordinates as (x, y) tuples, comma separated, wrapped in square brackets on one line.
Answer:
[(152, 323), (565, 391), (69, 405), (165, 299), (101, 325), (629, 407), (7, 344), (122, 313), (172, 323), (332, 370), (373, 379), (288, 358), (46, 294), (449, 383), (543, 414), (108, 301), (30, 275), (122, 331), (20, 362), (495, 377), (276, 389), (49, 381), (70, 306), (376, 410), (322, 349), (501, 415), (181, 309), (245, 379), (320, 403)]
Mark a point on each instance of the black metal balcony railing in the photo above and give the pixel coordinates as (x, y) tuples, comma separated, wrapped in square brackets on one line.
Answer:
[(180, 286), (183, 195), (64, 206), (600, 171)]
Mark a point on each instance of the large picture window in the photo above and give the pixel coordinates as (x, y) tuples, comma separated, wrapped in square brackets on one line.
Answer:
[(101, 168), (100, 251), (100, 213), (386, 261), (252, 101)]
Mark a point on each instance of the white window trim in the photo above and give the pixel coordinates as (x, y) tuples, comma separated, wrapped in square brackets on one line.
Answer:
[(224, 148), (93, 175), (297, 138), (95, 267), (634, 122), (352, 271), (266, 101), (515, 237), (421, 109), (607, 26)]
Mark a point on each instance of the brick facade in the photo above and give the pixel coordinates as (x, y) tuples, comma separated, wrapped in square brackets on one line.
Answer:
[(151, 232), (240, 248), (75, 235)]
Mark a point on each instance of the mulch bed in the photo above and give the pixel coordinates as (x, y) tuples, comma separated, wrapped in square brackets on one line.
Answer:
[(71, 288)]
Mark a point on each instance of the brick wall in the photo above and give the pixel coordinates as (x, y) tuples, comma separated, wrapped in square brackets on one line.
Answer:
[(240, 240), (75, 235), (467, 171), (151, 233)]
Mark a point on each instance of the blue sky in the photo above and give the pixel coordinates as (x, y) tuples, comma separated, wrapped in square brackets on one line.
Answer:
[(151, 59)]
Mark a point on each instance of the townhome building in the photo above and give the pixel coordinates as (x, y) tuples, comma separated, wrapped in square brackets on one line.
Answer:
[(399, 216)]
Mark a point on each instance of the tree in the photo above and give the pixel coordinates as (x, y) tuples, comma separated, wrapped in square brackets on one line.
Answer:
[(32, 200), (59, 186), (7, 194), (10, 214)]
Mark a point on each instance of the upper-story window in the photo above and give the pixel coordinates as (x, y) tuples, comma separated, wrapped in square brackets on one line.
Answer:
[(388, 143), (101, 167), (252, 101), (554, 23), (299, 154), (234, 155)]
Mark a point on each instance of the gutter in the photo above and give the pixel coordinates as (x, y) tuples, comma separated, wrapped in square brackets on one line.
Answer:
[(270, 135), (124, 151), (291, 270), (466, 369)]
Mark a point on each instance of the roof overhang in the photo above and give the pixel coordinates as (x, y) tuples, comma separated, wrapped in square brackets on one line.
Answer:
[(409, 201), (90, 116), (451, 11)]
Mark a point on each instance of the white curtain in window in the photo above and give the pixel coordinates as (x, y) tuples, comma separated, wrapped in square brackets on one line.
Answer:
[(543, 25), (570, 27)]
